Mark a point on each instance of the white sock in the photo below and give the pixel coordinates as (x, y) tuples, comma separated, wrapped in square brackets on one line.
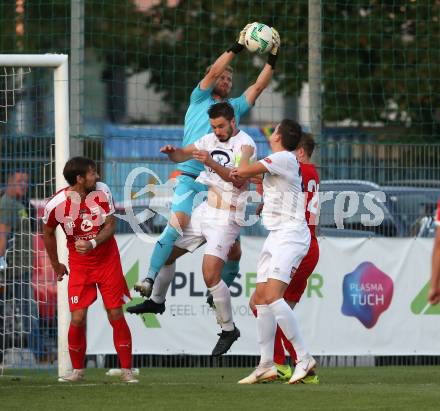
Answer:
[(162, 283), (288, 323), (222, 301), (266, 328)]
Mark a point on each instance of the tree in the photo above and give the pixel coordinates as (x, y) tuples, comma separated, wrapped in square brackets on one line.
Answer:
[(380, 59)]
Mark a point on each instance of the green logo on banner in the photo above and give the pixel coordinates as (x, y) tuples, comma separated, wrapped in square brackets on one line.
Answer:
[(150, 320), (420, 304)]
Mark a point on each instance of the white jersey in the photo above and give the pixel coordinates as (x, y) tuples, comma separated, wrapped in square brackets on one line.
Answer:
[(284, 200), (227, 154)]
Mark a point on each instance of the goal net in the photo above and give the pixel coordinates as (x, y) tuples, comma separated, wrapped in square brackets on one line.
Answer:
[(34, 147)]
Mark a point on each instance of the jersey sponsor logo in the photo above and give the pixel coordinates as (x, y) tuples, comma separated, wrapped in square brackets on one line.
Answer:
[(367, 293), (221, 157), (267, 160), (86, 225)]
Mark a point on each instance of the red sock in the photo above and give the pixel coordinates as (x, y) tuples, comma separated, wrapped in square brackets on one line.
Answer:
[(77, 345), (289, 348), (122, 341), (279, 355)]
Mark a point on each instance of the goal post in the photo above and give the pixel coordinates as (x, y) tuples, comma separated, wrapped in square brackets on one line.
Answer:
[(59, 64)]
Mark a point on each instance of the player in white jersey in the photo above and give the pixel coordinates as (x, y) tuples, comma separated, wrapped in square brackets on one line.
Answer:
[(286, 245), (216, 220)]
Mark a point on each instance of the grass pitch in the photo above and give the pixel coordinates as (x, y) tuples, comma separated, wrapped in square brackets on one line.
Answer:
[(384, 388)]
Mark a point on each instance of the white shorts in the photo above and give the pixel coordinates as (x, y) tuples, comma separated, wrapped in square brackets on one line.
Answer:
[(283, 251), (216, 227)]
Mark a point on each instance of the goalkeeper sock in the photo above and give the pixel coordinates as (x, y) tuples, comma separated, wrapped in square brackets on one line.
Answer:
[(266, 326), (279, 355), (76, 339), (122, 341), (222, 302), (288, 323), (162, 283), (230, 271), (162, 250)]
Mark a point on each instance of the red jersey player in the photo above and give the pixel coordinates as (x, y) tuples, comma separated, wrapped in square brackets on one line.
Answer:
[(85, 212), (298, 284)]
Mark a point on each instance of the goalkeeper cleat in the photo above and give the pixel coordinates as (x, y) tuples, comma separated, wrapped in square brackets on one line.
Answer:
[(310, 379), (261, 374), (148, 306), (127, 376), (144, 287), (302, 368), (284, 372), (227, 338), (76, 376)]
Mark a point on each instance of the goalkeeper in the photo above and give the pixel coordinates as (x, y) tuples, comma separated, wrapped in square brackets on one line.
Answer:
[(213, 88)]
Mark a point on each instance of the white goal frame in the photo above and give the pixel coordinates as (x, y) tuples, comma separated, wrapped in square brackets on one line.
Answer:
[(59, 64)]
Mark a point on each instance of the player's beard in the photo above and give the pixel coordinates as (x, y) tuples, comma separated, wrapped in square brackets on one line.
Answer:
[(222, 92), (229, 134), (91, 188)]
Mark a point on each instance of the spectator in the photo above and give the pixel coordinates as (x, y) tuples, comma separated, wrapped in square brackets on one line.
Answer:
[(19, 314)]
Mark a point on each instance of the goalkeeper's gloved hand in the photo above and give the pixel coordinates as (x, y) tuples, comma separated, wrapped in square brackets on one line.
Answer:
[(239, 44), (242, 36), (273, 55), (3, 264), (276, 41)]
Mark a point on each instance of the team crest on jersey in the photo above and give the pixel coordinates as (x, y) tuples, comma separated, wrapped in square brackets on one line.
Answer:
[(86, 225)]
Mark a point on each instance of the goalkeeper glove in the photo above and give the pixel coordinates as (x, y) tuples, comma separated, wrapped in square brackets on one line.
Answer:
[(3, 264), (239, 44), (273, 55)]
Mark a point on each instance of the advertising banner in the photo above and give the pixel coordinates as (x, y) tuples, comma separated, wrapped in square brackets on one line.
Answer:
[(366, 296)]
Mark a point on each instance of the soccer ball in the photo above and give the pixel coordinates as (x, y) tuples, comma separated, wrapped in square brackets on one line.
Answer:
[(258, 38)]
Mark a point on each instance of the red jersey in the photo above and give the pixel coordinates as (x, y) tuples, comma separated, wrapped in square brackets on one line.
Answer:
[(82, 219), (311, 185)]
